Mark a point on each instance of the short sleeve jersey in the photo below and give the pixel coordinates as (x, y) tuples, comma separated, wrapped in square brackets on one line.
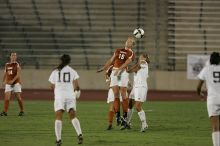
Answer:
[(140, 77), (11, 71), (211, 75), (63, 81), (121, 55)]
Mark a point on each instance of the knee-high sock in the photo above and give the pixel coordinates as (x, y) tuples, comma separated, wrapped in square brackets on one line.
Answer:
[(216, 138), (76, 125), (6, 105), (20, 103), (125, 104), (142, 117), (130, 113), (110, 117), (58, 129)]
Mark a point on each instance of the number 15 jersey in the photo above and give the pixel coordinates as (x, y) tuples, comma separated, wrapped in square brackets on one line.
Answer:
[(121, 55), (63, 81), (211, 74)]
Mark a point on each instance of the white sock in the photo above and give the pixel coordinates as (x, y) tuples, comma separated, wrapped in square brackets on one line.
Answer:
[(58, 129), (76, 125), (216, 138), (130, 113), (142, 117)]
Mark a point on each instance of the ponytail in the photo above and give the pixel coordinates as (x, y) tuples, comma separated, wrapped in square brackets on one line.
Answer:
[(65, 60)]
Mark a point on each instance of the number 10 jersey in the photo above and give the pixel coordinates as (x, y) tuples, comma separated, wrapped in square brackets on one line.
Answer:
[(63, 81)]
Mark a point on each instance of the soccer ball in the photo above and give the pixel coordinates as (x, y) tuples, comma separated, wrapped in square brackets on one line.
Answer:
[(138, 33)]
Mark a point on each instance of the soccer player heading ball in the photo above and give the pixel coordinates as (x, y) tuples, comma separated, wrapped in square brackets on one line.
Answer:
[(119, 77)]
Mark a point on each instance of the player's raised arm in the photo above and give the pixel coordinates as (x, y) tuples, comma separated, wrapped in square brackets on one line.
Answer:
[(107, 64), (134, 68)]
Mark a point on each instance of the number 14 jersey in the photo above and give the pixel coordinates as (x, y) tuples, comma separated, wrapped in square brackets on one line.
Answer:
[(63, 81), (211, 74)]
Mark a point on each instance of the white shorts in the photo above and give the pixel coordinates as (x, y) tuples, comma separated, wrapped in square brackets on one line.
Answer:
[(111, 97), (213, 109), (13, 88), (121, 80), (131, 95), (64, 104), (140, 94)]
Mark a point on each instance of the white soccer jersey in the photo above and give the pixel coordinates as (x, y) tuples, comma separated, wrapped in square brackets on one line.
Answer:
[(211, 74), (140, 78), (63, 81)]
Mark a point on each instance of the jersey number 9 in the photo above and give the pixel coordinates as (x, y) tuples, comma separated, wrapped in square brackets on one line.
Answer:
[(216, 76)]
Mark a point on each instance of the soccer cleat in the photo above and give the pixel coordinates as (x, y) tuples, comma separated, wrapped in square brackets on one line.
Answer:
[(21, 114), (109, 127), (144, 127), (118, 120), (124, 123), (80, 139), (126, 126), (3, 114), (58, 143)]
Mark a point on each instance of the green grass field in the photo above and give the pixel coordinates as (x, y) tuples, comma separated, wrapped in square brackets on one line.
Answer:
[(170, 124)]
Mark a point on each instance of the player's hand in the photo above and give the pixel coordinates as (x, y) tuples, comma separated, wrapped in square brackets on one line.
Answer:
[(11, 82), (107, 82), (202, 96), (100, 70), (3, 84), (117, 72), (77, 93)]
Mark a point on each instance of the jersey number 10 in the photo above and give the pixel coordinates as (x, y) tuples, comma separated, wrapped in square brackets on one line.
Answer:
[(66, 77), (216, 76)]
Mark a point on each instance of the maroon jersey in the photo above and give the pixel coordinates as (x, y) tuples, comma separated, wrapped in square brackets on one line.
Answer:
[(121, 55), (11, 71)]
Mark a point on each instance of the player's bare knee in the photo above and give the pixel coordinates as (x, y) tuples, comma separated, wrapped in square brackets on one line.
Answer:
[(72, 114), (138, 107), (59, 115)]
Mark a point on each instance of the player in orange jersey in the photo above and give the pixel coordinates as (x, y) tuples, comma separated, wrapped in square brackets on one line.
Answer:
[(119, 76), (11, 80)]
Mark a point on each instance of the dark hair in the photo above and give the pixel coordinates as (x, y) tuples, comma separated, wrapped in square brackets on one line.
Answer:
[(215, 58), (145, 55), (65, 60)]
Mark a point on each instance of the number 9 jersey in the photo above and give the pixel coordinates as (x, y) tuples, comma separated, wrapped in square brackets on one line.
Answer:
[(63, 81), (211, 74)]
